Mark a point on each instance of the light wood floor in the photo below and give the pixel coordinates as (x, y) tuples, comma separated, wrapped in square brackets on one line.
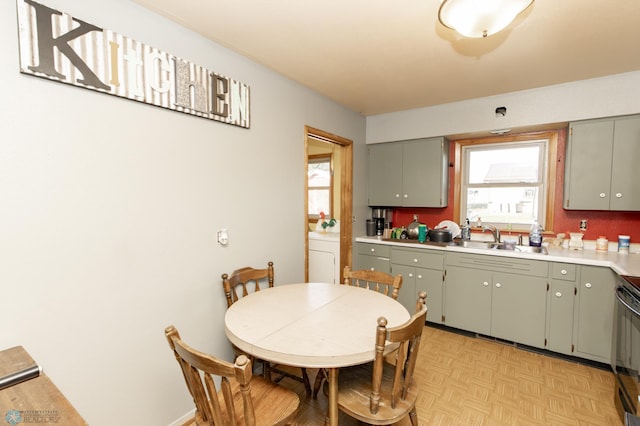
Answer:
[(474, 381)]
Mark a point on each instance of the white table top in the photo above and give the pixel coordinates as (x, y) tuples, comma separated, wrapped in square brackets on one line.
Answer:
[(311, 325)]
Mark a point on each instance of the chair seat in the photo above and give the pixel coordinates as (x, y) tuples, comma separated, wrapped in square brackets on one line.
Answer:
[(274, 405), (354, 390)]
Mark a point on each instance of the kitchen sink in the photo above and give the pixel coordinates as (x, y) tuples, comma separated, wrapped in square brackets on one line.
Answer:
[(477, 244), (490, 245), (526, 249)]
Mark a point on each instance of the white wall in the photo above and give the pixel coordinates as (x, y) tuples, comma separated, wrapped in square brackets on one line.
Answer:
[(600, 97), (109, 210)]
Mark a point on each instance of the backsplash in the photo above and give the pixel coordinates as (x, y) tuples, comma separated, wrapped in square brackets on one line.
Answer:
[(599, 223)]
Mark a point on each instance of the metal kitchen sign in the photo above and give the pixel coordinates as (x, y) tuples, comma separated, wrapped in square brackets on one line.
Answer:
[(60, 47)]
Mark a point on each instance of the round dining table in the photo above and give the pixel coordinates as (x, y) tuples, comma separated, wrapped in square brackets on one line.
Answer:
[(312, 325)]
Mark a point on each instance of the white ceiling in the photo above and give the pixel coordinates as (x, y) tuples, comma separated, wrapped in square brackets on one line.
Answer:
[(377, 56)]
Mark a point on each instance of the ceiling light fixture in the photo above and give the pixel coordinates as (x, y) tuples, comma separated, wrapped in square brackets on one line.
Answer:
[(480, 18)]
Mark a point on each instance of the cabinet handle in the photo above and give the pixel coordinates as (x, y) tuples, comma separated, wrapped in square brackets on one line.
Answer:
[(397, 195), (558, 294), (602, 195), (410, 275), (406, 196), (619, 195), (372, 269), (563, 271), (498, 285), (373, 250), (415, 260), (485, 283), (588, 285), (419, 276)]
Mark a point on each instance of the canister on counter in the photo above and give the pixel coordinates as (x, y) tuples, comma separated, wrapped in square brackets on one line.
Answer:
[(602, 244), (422, 233), (623, 243)]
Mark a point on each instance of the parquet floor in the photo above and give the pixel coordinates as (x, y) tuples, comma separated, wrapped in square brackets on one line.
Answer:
[(474, 381)]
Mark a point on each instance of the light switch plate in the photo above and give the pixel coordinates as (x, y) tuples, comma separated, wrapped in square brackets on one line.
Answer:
[(223, 237)]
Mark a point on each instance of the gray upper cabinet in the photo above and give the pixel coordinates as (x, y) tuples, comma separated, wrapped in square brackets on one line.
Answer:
[(412, 173), (600, 164)]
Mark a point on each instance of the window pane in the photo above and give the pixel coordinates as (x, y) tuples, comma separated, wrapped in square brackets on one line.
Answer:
[(318, 201), (319, 174), (515, 205), (506, 165)]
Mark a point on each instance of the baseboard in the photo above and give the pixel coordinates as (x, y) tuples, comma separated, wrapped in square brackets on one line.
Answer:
[(182, 420)]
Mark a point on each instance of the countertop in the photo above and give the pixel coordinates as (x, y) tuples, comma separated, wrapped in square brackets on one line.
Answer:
[(622, 264)]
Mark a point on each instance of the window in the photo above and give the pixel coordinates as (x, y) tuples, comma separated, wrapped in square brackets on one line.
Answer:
[(505, 181), (320, 182)]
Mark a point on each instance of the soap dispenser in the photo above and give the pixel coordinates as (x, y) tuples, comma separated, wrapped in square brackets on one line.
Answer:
[(466, 230), (535, 235)]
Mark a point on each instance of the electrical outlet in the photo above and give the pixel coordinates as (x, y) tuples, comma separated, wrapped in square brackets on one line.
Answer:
[(583, 225)]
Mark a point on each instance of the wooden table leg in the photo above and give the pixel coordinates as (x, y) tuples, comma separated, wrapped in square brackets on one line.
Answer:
[(333, 397)]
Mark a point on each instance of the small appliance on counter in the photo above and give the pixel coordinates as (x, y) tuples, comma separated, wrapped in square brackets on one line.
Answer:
[(382, 217)]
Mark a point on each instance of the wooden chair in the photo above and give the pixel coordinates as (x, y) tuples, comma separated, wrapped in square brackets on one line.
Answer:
[(371, 280), (382, 393), (241, 400), (241, 283), (246, 280), (374, 280)]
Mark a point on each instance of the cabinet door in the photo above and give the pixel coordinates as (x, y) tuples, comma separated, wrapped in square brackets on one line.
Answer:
[(430, 281), (384, 184), (594, 313), (425, 173), (625, 186), (560, 301), (518, 308), (322, 267), (467, 299), (588, 165), (408, 294)]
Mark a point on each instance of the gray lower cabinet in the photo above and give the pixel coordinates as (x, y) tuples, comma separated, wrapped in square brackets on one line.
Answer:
[(374, 257), (467, 299), (421, 271), (518, 308), (500, 297), (593, 328), (560, 307)]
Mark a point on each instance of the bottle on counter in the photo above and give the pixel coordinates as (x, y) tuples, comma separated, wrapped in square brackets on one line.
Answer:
[(535, 234), (466, 230)]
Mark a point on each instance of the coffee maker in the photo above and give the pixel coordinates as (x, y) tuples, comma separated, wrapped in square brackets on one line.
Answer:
[(382, 217)]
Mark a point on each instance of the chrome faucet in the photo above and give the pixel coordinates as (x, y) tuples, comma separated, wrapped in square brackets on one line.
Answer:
[(494, 231)]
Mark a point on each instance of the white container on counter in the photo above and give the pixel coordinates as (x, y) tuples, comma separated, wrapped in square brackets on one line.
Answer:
[(602, 244), (623, 243)]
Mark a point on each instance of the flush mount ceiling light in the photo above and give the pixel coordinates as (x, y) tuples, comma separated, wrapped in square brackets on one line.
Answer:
[(480, 18)]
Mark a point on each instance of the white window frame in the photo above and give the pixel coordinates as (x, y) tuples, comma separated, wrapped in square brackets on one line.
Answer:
[(322, 158), (547, 171)]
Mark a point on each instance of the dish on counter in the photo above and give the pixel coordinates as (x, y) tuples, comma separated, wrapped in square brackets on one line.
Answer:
[(451, 226)]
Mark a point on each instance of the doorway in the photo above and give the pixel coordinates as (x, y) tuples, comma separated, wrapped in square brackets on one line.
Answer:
[(342, 156)]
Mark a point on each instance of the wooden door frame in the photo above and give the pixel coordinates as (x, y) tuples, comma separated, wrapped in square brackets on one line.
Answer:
[(345, 147)]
